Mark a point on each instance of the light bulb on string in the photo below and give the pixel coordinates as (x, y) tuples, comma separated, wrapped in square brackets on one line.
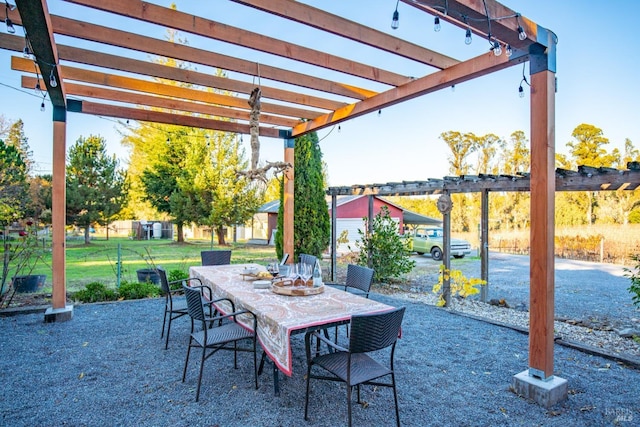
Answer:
[(395, 21), (497, 49), (52, 79), (467, 37), (26, 52), (10, 28), (521, 34), (42, 106), (38, 89), (509, 50), (436, 24), (521, 91)]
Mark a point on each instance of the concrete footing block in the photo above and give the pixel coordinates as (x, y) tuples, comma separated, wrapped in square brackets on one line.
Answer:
[(58, 314), (544, 393)]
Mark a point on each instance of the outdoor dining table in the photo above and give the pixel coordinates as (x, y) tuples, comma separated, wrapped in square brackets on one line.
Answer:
[(280, 316)]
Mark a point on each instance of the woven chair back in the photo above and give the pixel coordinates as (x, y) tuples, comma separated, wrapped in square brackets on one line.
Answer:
[(218, 257), (371, 332)]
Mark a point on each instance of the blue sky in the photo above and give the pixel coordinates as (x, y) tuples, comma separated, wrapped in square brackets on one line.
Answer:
[(596, 70)]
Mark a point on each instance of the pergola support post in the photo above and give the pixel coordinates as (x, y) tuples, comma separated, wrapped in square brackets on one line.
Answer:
[(446, 255), (59, 311), (484, 244), (538, 382), (287, 236), (334, 237)]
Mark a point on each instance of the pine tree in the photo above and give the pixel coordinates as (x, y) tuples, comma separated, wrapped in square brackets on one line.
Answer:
[(96, 187)]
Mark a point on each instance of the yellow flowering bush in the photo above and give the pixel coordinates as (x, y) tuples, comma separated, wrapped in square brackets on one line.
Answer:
[(458, 283)]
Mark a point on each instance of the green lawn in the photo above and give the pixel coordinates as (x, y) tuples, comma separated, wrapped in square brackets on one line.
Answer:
[(98, 261)]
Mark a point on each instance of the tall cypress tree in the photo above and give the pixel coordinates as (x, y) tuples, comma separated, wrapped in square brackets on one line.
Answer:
[(312, 226)]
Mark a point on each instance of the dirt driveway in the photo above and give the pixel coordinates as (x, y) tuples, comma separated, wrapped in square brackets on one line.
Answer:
[(583, 290)]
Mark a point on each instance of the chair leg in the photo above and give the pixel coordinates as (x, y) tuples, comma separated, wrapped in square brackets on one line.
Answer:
[(186, 361), (349, 403), (204, 350), (395, 398), (306, 399), (164, 320), (166, 344), (255, 363)]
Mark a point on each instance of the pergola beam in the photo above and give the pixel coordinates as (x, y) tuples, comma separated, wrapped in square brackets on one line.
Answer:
[(171, 18), (152, 69), (464, 71), (318, 18), (165, 103), (139, 85), (37, 25), (504, 28), (107, 110), (109, 36)]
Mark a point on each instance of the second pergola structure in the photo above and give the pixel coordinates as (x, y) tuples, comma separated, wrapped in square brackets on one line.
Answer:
[(297, 111)]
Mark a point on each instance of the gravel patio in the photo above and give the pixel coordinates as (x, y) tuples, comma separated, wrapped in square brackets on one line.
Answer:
[(107, 366)]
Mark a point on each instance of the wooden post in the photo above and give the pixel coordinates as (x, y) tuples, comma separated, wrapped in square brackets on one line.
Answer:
[(370, 230), (287, 238), (542, 224), (334, 237), (484, 244), (446, 257), (58, 209)]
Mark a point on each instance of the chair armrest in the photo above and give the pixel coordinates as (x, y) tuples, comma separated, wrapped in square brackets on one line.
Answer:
[(319, 336), (188, 279), (336, 285), (234, 314)]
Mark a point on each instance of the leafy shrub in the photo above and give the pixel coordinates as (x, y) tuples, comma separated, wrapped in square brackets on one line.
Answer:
[(95, 292), (137, 290), (177, 275), (389, 255), (634, 277), (458, 284)]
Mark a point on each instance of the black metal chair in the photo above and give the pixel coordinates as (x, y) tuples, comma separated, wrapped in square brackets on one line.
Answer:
[(222, 336), (172, 309), (218, 257), (358, 281), (352, 365)]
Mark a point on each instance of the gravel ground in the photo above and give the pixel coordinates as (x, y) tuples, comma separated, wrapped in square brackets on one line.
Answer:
[(108, 366)]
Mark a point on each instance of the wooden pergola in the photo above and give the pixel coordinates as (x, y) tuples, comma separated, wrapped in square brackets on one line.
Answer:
[(307, 102)]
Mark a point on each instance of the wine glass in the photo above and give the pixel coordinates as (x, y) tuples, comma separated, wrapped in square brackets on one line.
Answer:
[(273, 269), (305, 273)]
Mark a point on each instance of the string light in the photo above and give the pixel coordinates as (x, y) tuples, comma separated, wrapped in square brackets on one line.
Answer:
[(52, 78), (467, 37), (495, 47), (436, 24), (26, 52), (524, 80), (42, 106), (509, 50), (521, 34), (395, 20), (10, 28)]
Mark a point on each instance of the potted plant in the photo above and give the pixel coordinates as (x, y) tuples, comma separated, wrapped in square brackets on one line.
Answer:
[(22, 250)]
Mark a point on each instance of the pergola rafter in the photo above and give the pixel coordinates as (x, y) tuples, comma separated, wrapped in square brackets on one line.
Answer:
[(331, 89)]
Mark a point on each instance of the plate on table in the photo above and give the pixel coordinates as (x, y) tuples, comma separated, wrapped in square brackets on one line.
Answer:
[(261, 284)]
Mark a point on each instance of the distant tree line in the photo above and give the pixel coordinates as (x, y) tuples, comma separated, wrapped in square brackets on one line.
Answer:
[(489, 154)]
